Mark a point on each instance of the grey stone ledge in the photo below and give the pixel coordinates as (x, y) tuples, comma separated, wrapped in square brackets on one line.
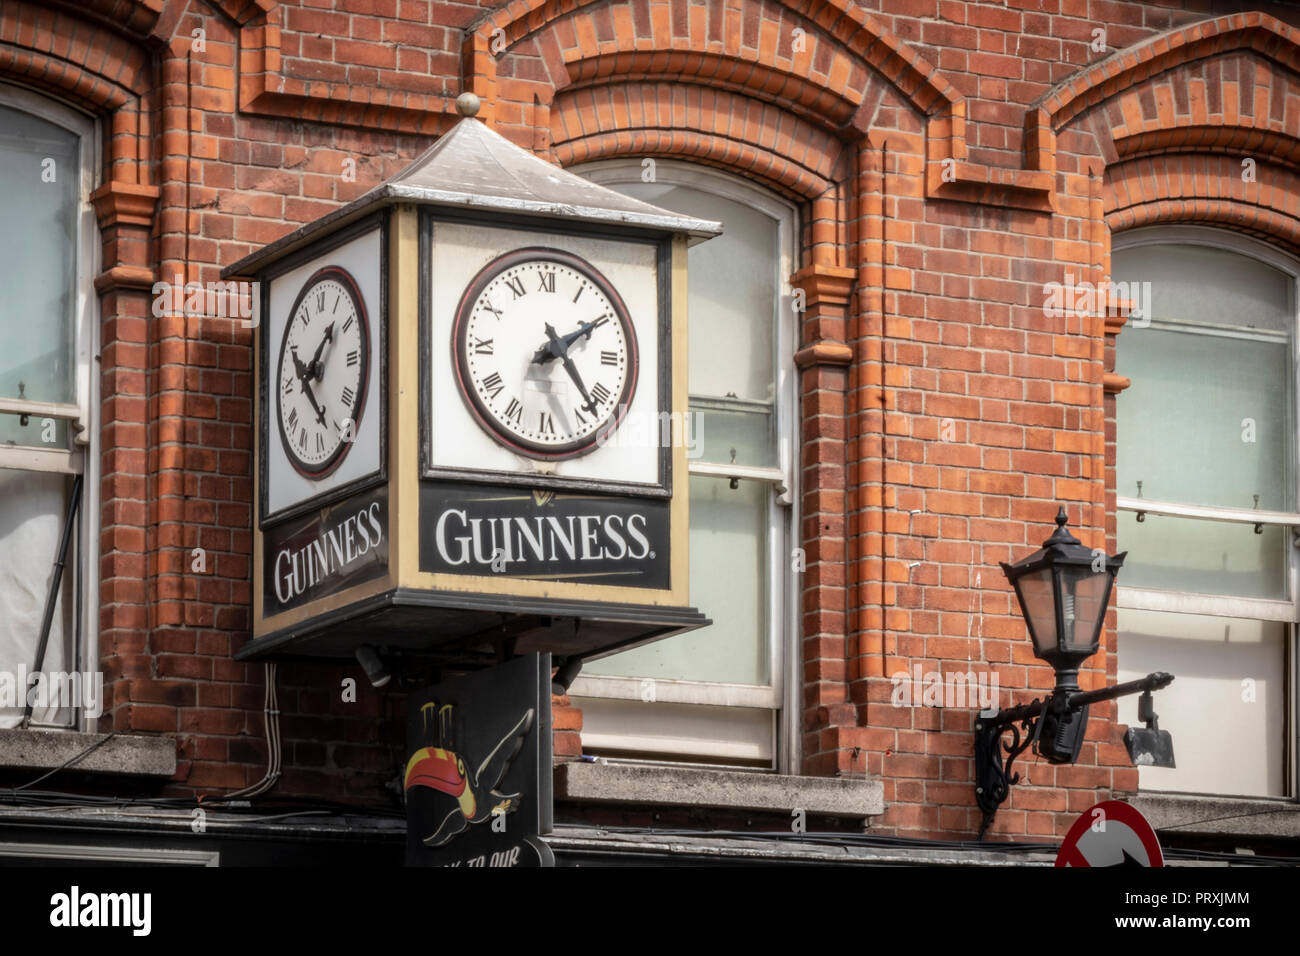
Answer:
[(654, 785), (132, 755), (1219, 816), (731, 850)]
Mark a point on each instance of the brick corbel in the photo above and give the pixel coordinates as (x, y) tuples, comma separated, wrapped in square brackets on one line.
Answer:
[(827, 290), (824, 353), (1113, 384), (824, 285), (1116, 315), (124, 277), (125, 204)]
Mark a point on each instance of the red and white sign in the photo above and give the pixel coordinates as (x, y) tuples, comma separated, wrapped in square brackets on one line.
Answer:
[(1111, 834)]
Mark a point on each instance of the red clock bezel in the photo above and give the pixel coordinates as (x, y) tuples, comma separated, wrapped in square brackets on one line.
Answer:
[(486, 420), (331, 464)]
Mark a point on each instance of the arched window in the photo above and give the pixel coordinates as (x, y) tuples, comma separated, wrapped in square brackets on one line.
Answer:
[(1207, 484), (47, 341), (718, 694)]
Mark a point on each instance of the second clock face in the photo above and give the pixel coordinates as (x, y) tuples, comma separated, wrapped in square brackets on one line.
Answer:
[(323, 370), (545, 353)]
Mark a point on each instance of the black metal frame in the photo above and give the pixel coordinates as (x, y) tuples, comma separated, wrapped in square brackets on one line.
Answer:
[(494, 612), (994, 779), (663, 264), (379, 329)]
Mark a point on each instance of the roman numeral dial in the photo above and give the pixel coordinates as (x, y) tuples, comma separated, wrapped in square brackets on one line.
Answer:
[(545, 353), (323, 373)]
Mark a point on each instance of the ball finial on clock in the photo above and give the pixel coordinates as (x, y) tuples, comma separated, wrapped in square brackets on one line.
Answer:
[(467, 105)]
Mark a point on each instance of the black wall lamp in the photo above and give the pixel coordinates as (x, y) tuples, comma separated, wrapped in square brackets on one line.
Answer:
[(1063, 590)]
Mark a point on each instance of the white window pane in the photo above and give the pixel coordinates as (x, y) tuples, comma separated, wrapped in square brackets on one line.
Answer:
[(33, 508), (1205, 420), (728, 583), (732, 293), (1226, 707), (736, 735), (1199, 283), (1208, 557), (727, 431), (39, 184)]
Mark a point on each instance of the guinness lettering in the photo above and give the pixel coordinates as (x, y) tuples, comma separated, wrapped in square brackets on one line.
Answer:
[(561, 537), (326, 552), (335, 549)]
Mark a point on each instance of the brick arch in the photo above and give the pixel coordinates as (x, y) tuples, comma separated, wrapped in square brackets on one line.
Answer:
[(1162, 129), (741, 72), (575, 42), (88, 65), (665, 119), (1153, 191), (1111, 84)]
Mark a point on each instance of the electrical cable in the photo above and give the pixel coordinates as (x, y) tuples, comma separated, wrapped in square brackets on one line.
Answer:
[(271, 720)]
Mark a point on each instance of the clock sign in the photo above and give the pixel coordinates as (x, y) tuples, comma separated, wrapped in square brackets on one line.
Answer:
[(323, 372), (473, 424), (545, 353)]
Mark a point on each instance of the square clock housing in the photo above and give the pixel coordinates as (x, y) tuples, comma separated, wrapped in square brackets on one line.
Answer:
[(472, 381)]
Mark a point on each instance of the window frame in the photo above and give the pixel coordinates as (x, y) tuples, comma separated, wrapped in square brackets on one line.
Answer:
[(1217, 605), (83, 415), (780, 694)]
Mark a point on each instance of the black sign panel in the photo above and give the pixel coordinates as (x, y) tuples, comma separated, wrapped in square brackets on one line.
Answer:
[(544, 535), (478, 774), (325, 552)]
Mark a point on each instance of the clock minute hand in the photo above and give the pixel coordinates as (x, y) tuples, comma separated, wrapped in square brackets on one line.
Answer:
[(557, 346), (585, 331), (311, 397)]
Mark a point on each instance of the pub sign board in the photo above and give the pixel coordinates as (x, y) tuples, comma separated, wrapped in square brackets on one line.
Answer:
[(472, 415), (326, 551), (544, 535), (478, 770)]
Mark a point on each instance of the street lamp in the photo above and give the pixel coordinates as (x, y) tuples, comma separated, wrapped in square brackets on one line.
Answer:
[(1063, 590)]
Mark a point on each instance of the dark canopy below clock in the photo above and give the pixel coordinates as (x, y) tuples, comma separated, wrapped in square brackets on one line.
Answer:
[(473, 630), (472, 167)]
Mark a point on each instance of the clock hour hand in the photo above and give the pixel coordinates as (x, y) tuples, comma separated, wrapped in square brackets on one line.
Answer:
[(314, 368), (560, 347), (298, 367), (549, 351)]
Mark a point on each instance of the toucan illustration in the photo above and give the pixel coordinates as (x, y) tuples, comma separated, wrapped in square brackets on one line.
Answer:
[(442, 769)]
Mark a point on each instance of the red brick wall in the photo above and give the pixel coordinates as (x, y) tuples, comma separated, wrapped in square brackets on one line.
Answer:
[(948, 159)]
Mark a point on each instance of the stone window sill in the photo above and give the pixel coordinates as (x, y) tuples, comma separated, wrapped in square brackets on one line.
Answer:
[(658, 785), (1219, 816), (127, 755)]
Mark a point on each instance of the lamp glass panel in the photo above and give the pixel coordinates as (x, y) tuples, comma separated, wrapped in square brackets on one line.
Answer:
[(1039, 602), (1083, 595)]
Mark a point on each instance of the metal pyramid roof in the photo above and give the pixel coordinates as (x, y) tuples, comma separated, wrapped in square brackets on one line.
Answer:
[(473, 167)]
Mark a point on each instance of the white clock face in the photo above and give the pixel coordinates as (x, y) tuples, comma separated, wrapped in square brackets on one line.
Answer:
[(323, 372), (545, 353)]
